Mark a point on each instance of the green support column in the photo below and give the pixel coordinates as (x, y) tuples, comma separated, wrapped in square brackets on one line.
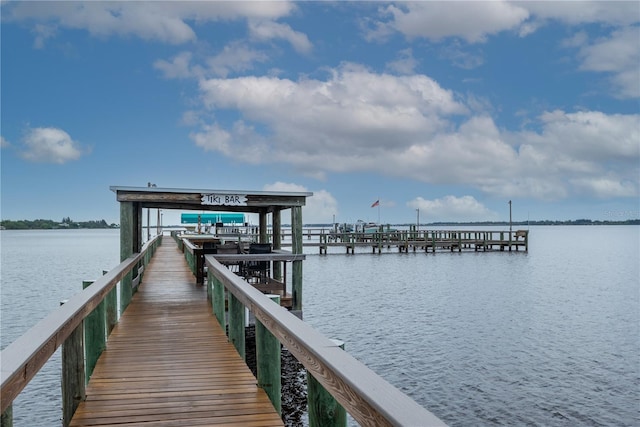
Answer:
[(128, 236), (236, 324), (324, 410), (73, 373), (277, 243), (94, 334), (111, 301), (218, 302), (296, 248), (6, 420), (268, 362), (262, 220)]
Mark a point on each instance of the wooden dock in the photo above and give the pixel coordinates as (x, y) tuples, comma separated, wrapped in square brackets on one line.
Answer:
[(423, 240), (169, 363)]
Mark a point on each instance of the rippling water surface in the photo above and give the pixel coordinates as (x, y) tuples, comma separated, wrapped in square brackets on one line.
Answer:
[(39, 270), (548, 338)]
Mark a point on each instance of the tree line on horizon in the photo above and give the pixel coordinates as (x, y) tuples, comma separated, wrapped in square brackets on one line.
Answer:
[(48, 224)]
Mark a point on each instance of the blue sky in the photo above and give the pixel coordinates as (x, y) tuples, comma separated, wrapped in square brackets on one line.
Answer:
[(452, 108)]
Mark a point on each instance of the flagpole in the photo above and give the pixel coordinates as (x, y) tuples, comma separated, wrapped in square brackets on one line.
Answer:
[(378, 211)]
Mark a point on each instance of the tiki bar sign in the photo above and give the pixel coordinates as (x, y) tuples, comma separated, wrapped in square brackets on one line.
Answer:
[(224, 199)]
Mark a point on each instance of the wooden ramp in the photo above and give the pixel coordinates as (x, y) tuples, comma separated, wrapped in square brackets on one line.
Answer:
[(168, 362)]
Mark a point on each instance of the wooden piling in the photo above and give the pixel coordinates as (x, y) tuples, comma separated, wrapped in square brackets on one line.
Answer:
[(73, 373), (323, 409), (6, 420), (268, 362), (111, 308), (94, 334), (218, 302), (237, 325)]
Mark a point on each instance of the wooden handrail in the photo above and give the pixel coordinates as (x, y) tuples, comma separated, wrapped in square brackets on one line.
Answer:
[(369, 398), (24, 357)]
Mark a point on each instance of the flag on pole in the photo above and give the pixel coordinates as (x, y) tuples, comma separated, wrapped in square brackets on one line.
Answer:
[(376, 203)]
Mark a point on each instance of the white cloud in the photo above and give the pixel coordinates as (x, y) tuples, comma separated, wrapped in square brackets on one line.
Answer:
[(235, 57), (606, 187), (405, 64), (4, 143), (475, 21), (168, 22), (618, 55), (319, 208), (583, 12), (452, 208), (213, 138), (269, 30), (471, 21), (178, 68), (406, 126), (50, 145)]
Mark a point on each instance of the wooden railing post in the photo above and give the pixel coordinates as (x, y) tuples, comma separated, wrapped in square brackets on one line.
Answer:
[(323, 409), (111, 301), (218, 302), (73, 374), (94, 334), (236, 324), (268, 362), (6, 420)]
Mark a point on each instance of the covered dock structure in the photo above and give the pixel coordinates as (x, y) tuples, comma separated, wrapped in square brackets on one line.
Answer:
[(264, 203)]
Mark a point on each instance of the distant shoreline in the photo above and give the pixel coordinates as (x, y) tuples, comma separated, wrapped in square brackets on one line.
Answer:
[(42, 224)]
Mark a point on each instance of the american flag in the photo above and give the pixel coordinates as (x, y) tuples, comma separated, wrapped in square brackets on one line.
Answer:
[(376, 203)]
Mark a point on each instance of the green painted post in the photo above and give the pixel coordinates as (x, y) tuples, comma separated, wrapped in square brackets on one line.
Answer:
[(73, 375), (127, 226), (94, 334), (324, 410), (236, 324), (218, 302), (268, 362), (111, 301), (6, 420)]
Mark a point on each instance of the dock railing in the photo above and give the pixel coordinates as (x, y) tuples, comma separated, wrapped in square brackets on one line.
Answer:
[(87, 314), (366, 396)]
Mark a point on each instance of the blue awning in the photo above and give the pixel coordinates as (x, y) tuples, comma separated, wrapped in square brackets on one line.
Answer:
[(213, 218)]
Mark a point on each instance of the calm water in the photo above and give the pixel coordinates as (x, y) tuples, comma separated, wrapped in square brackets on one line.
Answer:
[(550, 337)]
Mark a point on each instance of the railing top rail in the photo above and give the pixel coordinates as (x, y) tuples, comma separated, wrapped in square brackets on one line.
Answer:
[(24, 357), (365, 395), (273, 256)]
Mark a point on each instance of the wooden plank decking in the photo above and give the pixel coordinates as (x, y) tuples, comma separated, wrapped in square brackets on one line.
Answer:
[(168, 362)]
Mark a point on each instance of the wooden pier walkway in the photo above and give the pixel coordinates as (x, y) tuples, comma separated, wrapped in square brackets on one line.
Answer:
[(168, 362)]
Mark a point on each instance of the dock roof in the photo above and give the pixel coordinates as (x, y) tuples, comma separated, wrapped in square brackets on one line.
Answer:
[(208, 199)]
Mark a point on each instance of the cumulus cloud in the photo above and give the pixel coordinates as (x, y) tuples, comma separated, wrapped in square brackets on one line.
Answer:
[(179, 67), (320, 207), (452, 208), (167, 22), (270, 30), (617, 13), (235, 57), (475, 21), (50, 145), (405, 64), (471, 21), (410, 127), (617, 55)]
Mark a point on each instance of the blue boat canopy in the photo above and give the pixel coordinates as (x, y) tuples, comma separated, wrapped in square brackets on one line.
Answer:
[(213, 218)]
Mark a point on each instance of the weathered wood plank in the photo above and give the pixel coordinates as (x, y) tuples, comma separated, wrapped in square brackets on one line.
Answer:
[(169, 363), (367, 397)]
